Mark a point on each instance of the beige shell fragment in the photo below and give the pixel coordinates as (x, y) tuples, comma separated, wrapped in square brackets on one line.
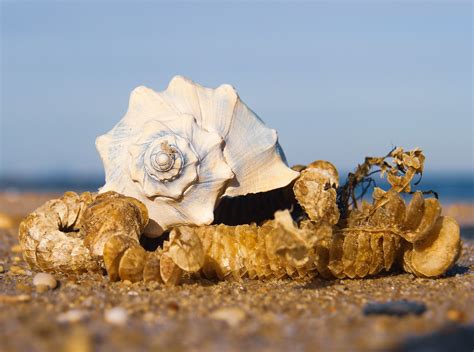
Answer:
[(114, 249), (414, 212), (151, 270), (321, 241), (364, 255), (438, 251), (389, 248), (349, 254), (336, 253), (125, 259), (112, 214), (430, 211), (288, 241), (430, 215), (388, 209), (315, 191), (185, 249), (376, 246), (170, 273), (132, 264)]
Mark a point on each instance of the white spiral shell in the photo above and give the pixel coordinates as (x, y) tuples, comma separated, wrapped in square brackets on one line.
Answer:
[(179, 151)]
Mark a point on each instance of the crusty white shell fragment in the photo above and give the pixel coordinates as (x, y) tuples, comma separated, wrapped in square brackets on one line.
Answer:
[(49, 238), (315, 191), (185, 249), (180, 150)]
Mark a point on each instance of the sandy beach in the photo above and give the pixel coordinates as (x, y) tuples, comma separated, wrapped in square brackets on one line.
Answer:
[(223, 112), (228, 316)]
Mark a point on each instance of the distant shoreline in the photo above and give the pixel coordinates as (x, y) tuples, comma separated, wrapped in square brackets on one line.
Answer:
[(451, 188), (19, 203)]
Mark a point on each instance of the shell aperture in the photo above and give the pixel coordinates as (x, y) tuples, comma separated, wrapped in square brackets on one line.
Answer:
[(180, 150)]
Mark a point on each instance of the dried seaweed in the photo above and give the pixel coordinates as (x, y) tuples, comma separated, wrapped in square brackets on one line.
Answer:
[(399, 166)]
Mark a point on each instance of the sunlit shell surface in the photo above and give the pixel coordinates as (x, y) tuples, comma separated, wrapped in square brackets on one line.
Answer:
[(180, 150)]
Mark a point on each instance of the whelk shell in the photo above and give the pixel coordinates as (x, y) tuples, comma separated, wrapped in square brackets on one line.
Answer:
[(179, 151)]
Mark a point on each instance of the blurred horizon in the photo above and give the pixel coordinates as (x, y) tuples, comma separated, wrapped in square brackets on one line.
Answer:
[(338, 81), (451, 187)]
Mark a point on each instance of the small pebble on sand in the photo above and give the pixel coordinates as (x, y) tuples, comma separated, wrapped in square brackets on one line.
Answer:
[(233, 316), (14, 299), (6, 222), (20, 286), (17, 270), (72, 316), (44, 282), (398, 308), (456, 315), (116, 316), (16, 248), (2, 269)]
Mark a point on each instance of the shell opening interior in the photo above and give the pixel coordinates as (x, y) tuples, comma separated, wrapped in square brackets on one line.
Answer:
[(150, 244), (256, 207), (70, 230)]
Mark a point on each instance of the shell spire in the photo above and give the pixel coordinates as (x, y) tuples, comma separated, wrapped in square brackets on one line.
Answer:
[(179, 151)]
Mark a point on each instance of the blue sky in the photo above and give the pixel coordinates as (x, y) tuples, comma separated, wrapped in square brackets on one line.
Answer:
[(338, 80)]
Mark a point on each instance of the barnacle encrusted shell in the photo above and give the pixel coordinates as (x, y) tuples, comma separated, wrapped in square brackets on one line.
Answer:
[(180, 150), (51, 239), (112, 214)]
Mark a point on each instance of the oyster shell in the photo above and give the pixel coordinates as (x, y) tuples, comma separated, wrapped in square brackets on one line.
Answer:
[(179, 151), (316, 192)]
